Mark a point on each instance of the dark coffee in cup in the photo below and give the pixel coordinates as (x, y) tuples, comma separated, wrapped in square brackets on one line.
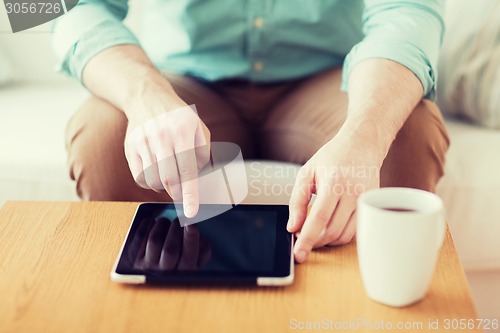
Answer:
[(401, 210)]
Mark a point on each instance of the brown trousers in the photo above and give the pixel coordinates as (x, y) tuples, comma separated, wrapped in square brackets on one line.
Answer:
[(280, 121)]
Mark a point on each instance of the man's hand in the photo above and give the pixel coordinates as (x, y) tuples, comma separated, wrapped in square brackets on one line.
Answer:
[(166, 142), (382, 94), (165, 148), (338, 173)]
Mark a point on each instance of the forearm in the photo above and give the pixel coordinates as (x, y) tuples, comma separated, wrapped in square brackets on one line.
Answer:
[(382, 94), (124, 76)]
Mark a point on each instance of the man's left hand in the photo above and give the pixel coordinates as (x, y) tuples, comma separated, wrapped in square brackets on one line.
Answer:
[(338, 173)]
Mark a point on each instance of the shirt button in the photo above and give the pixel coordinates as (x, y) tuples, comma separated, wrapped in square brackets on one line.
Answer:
[(258, 66), (258, 22)]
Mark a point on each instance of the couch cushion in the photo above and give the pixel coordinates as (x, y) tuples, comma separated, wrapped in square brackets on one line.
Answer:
[(6, 73), (470, 190), (469, 63), (32, 152)]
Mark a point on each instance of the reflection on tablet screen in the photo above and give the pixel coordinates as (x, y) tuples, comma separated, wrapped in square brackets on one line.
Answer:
[(235, 241)]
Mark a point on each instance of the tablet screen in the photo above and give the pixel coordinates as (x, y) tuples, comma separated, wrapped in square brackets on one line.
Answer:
[(244, 241)]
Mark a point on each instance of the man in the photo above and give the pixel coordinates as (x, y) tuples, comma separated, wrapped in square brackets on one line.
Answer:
[(265, 74)]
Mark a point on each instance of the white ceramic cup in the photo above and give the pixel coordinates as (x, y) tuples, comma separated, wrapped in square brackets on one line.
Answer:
[(397, 250)]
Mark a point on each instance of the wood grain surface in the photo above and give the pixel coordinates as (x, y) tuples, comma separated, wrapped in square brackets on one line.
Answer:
[(55, 261)]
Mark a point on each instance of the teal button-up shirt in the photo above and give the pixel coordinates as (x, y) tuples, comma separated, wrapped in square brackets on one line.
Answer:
[(259, 40)]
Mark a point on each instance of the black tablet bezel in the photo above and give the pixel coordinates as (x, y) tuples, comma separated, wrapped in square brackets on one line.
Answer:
[(282, 273)]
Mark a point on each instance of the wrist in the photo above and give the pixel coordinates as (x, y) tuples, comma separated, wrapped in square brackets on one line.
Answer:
[(368, 134), (149, 96)]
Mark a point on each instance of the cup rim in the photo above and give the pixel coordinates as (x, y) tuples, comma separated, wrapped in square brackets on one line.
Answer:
[(364, 197)]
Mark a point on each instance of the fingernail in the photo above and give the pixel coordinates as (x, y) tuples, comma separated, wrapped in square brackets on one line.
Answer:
[(189, 211), (300, 256), (289, 226)]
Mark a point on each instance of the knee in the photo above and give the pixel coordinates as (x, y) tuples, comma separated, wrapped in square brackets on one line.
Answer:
[(426, 131), (419, 150), (94, 141)]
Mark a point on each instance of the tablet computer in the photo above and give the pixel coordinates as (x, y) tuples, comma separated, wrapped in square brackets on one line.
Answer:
[(245, 244)]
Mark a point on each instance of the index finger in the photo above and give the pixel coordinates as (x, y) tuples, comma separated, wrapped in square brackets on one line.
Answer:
[(188, 173), (315, 223)]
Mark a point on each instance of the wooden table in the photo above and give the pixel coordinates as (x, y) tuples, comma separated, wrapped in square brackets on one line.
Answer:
[(55, 260)]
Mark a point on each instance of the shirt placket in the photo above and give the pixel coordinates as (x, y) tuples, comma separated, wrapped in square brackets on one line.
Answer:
[(258, 15)]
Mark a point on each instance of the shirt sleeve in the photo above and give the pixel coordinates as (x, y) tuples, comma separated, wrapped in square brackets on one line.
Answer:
[(89, 28), (408, 32)]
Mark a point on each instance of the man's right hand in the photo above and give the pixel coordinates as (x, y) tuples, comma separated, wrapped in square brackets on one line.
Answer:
[(166, 145), (166, 142)]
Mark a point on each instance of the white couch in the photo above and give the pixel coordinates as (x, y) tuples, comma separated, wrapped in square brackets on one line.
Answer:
[(35, 109)]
